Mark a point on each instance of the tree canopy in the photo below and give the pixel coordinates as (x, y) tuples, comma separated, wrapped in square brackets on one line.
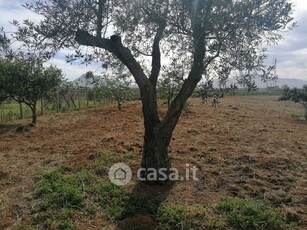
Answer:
[(27, 81), (205, 37), (296, 95)]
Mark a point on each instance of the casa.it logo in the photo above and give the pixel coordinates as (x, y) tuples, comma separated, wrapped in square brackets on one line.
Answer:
[(120, 174)]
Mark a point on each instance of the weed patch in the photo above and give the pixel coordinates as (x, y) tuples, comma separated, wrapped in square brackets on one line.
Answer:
[(250, 214), (173, 216), (63, 193)]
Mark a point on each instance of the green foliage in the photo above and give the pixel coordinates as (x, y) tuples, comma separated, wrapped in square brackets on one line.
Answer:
[(114, 85), (171, 216), (61, 219), (27, 81), (294, 115), (250, 214), (60, 191), (63, 193), (104, 161), (60, 194), (199, 36), (116, 88), (4, 41), (295, 95), (248, 82), (137, 203), (206, 91), (171, 82)]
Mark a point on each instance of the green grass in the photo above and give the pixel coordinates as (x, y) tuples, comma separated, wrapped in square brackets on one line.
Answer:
[(10, 111), (177, 216), (250, 214), (228, 213), (295, 115), (64, 193)]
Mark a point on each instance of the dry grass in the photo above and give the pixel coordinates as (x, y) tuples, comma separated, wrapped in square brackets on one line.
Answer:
[(248, 147)]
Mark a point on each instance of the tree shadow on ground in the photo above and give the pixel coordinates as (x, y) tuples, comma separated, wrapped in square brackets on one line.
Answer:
[(144, 201), (6, 128), (15, 128)]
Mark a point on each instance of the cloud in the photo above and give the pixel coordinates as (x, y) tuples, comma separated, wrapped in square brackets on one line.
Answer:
[(13, 10), (74, 70), (291, 53)]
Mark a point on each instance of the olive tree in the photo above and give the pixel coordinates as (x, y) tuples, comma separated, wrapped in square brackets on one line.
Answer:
[(113, 84), (66, 91), (116, 87), (296, 95), (170, 83), (28, 81), (210, 34)]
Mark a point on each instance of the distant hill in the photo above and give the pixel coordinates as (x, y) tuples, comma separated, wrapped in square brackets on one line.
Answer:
[(291, 82), (83, 82)]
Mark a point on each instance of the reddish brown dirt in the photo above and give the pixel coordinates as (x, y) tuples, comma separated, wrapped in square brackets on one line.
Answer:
[(248, 147)]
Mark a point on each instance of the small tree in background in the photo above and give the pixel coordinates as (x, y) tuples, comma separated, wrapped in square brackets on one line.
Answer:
[(22, 74), (170, 83), (233, 88), (114, 84), (206, 90), (27, 81), (296, 95), (66, 91)]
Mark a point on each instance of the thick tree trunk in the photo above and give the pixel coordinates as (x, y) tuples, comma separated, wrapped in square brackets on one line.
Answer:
[(155, 156), (156, 139)]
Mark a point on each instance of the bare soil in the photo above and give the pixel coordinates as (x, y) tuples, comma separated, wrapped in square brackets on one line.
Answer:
[(249, 146)]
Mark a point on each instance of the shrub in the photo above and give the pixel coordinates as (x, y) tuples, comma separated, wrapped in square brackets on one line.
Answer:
[(296, 95)]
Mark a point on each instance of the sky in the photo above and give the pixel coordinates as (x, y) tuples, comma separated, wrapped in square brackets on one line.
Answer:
[(290, 53)]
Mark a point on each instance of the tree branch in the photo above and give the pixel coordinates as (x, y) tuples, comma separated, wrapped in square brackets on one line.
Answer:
[(156, 54), (101, 4), (114, 45), (172, 116)]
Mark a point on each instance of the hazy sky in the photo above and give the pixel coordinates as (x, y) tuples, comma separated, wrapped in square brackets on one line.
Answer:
[(291, 53)]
